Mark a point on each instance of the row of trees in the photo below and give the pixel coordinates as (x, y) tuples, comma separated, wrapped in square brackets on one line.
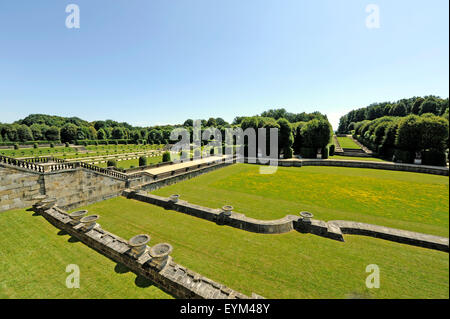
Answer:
[(294, 129), (401, 108), (403, 138)]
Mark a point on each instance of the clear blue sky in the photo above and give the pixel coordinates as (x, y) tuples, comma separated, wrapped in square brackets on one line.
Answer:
[(151, 62)]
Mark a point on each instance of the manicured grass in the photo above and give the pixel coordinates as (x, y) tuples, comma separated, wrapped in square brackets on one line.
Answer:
[(353, 158), (291, 265), (134, 162), (30, 152), (34, 256), (346, 142), (70, 153), (410, 201)]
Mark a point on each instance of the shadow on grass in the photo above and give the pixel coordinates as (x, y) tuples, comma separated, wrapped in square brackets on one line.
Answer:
[(121, 269), (73, 240), (142, 282)]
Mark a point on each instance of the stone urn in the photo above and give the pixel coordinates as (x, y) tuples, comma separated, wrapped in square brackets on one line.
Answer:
[(89, 222), (227, 210), (76, 216), (174, 198), (138, 244), (306, 216), (160, 254)]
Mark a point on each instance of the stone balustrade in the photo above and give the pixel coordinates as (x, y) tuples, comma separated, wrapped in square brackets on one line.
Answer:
[(303, 223), (154, 263)]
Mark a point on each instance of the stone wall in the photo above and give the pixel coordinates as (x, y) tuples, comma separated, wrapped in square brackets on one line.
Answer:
[(170, 276), (332, 229), (72, 187), (79, 187), (235, 220), (18, 186), (435, 170)]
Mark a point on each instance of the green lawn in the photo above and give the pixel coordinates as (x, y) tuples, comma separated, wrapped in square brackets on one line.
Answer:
[(31, 152), (34, 256), (134, 162), (346, 142), (70, 153), (411, 201), (354, 158), (291, 265)]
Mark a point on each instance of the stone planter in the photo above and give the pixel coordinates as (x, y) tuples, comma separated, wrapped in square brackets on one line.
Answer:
[(138, 244), (89, 222), (306, 216), (227, 210), (160, 255), (174, 198), (76, 216)]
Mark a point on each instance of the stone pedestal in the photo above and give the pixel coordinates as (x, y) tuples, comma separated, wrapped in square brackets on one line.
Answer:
[(76, 216), (160, 255), (89, 222), (138, 245)]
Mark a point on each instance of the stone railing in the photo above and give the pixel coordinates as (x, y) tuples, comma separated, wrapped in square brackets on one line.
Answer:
[(435, 170), (22, 164), (153, 263), (303, 223)]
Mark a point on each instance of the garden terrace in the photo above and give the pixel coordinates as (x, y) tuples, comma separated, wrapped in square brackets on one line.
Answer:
[(290, 265)]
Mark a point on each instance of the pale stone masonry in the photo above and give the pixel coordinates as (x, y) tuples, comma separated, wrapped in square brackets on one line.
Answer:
[(171, 277), (332, 229)]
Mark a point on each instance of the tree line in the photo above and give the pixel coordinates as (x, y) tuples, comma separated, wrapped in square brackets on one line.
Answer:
[(415, 105), (301, 133)]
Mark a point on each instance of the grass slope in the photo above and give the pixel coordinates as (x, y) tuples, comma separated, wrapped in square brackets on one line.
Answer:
[(411, 201), (346, 142), (291, 265), (34, 256)]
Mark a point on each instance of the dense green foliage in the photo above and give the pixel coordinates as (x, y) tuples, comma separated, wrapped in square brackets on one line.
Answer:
[(403, 107)]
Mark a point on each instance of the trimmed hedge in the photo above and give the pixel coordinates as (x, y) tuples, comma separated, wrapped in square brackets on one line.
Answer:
[(142, 161), (332, 149), (325, 152), (308, 152), (434, 157), (103, 142), (111, 162), (404, 156)]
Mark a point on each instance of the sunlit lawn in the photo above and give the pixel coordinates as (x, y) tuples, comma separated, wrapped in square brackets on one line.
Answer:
[(34, 256), (291, 265), (411, 201), (354, 158), (134, 162), (346, 142)]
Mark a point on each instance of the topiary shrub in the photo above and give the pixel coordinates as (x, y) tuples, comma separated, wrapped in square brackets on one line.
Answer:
[(404, 156), (332, 149), (111, 163), (166, 157), (324, 152), (52, 145), (288, 152), (308, 152), (142, 161), (434, 157), (66, 144), (16, 146), (35, 145)]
